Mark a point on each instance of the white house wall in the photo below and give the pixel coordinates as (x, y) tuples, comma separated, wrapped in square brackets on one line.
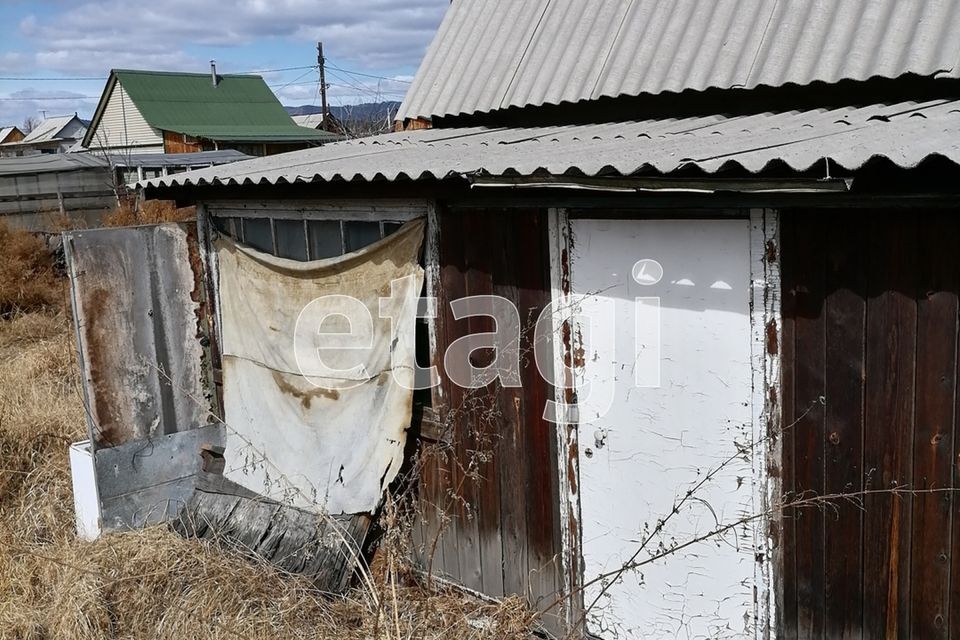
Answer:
[(123, 126)]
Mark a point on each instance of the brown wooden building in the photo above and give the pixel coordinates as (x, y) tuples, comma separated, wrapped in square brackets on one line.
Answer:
[(737, 228)]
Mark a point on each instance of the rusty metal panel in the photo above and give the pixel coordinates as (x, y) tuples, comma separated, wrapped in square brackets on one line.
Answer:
[(140, 317), (148, 482)]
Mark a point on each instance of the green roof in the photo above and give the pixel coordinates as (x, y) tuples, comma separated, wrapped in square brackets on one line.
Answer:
[(241, 108)]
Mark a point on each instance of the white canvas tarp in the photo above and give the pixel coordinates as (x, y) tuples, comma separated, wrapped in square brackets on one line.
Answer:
[(318, 367)]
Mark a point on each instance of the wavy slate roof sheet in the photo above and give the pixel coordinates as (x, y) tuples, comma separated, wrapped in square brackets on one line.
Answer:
[(905, 133), (494, 54)]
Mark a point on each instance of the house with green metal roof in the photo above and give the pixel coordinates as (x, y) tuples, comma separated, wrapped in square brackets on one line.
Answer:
[(167, 112)]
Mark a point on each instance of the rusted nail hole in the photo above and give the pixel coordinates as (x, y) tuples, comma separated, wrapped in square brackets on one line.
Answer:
[(834, 438)]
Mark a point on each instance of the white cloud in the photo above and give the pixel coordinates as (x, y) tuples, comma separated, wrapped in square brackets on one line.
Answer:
[(34, 102), (113, 33), (87, 38)]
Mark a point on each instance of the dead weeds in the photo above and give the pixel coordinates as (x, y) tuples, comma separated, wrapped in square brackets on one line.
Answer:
[(28, 281), (150, 212), (153, 583)]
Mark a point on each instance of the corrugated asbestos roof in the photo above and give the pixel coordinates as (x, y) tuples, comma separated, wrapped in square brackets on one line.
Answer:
[(221, 156), (494, 54), (905, 133), (48, 162), (240, 108)]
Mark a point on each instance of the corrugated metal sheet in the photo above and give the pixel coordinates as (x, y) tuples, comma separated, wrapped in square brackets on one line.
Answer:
[(310, 120), (49, 129), (905, 133), (493, 54), (222, 156), (137, 302), (46, 163)]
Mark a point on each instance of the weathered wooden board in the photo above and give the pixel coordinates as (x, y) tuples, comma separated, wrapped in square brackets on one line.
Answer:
[(889, 312), (787, 570), (489, 497), (845, 317), (938, 282), (889, 396), (809, 382)]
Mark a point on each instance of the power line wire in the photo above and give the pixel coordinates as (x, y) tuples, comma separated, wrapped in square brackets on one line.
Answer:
[(368, 75), (101, 78)]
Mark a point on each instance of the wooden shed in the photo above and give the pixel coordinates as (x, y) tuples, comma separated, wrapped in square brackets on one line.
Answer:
[(738, 417)]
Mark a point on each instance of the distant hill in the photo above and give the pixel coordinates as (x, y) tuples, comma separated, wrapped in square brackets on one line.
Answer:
[(369, 118), (362, 112)]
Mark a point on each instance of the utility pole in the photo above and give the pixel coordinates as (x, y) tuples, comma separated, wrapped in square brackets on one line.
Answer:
[(323, 88)]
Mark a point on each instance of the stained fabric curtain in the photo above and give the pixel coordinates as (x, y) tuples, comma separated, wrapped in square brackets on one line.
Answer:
[(318, 370)]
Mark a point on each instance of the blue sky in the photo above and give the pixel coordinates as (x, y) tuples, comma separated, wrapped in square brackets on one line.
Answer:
[(63, 40)]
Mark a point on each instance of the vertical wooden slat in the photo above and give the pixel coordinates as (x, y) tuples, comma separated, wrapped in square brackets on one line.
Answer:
[(461, 539), (540, 471), (844, 369), (511, 454), (809, 383), (430, 519), (888, 427), (504, 537), (788, 569), (484, 425), (933, 432)]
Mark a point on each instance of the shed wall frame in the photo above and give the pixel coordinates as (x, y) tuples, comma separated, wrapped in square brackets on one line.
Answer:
[(765, 454), (765, 332)]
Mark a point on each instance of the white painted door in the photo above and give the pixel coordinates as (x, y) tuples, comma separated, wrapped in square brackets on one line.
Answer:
[(664, 393)]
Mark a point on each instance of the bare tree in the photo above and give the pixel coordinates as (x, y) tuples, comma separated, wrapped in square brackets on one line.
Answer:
[(29, 124)]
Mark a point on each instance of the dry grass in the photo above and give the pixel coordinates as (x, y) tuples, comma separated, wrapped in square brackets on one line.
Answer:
[(154, 584), (27, 278), (150, 212)]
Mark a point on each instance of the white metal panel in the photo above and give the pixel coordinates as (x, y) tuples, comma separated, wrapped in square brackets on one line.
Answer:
[(86, 502), (642, 448), (122, 125)]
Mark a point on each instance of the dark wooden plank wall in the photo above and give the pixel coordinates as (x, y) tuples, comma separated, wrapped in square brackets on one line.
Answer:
[(870, 401), (489, 515)]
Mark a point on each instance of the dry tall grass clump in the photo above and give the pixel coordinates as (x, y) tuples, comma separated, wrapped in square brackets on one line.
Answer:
[(150, 212), (27, 278), (153, 583)]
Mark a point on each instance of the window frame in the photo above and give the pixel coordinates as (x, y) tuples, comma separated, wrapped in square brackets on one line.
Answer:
[(386, 213)]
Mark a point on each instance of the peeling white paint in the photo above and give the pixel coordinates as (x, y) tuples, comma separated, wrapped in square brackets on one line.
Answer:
[(657, 443), (766, 325)]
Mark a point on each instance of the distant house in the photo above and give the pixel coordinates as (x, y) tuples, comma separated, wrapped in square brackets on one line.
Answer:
[(10, 134), (53, 135), (310, 121), (85, 186), (162, 112)]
